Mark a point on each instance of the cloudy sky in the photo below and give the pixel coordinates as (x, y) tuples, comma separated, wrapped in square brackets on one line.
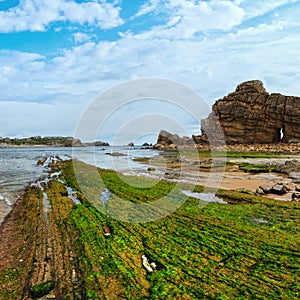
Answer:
[(56, 56)]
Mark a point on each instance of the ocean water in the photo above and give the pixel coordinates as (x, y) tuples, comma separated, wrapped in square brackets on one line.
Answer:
[(18, 166)]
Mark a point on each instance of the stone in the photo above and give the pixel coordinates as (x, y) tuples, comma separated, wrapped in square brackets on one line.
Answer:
[(260, 191), (266, 189), (42, 289), (295, 196), (131, 144), (115, 154), (168, 140), (72, 142), (297, 188), (101, 144), (295, 176), (290, 166), (279, 189), (252, 115)]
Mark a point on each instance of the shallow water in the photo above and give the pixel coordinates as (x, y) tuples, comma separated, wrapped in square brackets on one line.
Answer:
[(18, 166), (206, 197)]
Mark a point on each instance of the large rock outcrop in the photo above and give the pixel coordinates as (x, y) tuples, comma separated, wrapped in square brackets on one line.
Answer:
[(168, 140), (252, 115)]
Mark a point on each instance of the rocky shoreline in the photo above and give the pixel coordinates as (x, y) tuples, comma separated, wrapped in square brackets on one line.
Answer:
[(172, 142)]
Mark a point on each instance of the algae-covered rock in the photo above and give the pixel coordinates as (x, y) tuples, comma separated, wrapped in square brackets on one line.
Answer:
[(42, 289)]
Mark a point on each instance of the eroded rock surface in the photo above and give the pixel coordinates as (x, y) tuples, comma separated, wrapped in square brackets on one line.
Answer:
[(171, 141), (252, 115)]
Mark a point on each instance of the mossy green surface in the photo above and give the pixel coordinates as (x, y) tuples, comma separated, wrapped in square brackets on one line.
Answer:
[(249, 250), (42, 289)]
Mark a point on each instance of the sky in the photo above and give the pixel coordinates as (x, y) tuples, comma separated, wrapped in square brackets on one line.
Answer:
[(58, 56)]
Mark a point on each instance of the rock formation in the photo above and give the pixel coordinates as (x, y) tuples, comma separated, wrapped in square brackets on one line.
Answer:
[(171, 141), (252, 115)]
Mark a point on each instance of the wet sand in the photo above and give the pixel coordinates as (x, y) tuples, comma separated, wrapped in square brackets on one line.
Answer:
[(229, 178)]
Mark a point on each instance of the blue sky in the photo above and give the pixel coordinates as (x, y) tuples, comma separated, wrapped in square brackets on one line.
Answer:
[(56, 56)]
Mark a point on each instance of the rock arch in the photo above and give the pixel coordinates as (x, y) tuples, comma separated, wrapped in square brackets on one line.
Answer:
[(252, 115)]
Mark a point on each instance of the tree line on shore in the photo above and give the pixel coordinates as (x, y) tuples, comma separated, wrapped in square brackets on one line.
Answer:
[(47, 141)]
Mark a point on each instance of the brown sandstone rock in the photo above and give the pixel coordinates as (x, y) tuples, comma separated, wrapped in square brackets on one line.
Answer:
[(252, 115), (168, 140)]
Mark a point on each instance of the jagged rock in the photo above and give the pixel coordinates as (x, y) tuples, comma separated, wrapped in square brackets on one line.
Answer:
[(131, 144), (101, 144), (146, 145), (295, 196), (279, 189), (41, 161), (168, 140), (260, 191), (288, 167), (72, 142), (252, 115), (266, 189)]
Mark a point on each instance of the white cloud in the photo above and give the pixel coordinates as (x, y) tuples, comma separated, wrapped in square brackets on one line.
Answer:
[(36, 15), (80, 37), (147, 8), (189, 18), (262, 31), (212, 65), (261, 7), (105, 15)]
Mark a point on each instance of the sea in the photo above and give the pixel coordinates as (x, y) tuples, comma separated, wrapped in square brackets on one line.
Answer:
[(18, 166)]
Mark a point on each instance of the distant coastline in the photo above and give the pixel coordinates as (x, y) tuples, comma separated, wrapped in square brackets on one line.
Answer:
[(38, 142)]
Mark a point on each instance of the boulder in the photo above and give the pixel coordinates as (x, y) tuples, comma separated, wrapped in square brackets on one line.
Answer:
[(42, 289), (290, 166), (295, 196), (72, 142), (266, 189), (279, 189), (101, 144), (168, 140), (260, 191)]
